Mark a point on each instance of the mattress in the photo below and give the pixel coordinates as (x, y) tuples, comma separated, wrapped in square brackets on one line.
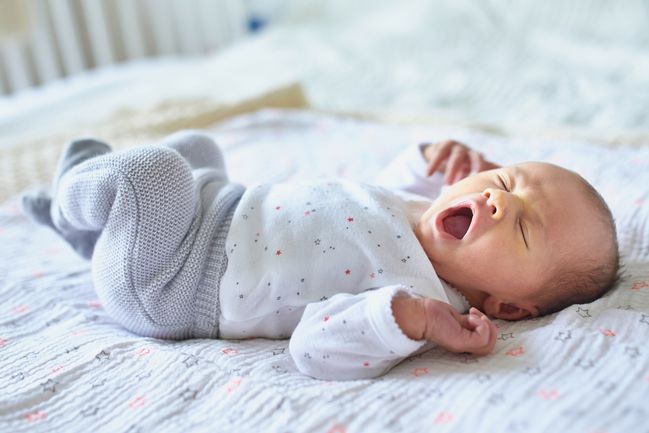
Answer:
[(66, 366)]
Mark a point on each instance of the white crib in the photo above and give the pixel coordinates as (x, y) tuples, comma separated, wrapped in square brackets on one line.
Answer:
[(66, 37)]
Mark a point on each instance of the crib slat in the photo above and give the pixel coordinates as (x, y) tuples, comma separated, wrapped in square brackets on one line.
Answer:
[(4, 84), (164, 32), (67, 34), (236, 18), (16, 64), (97, 25), (212, 22), (47, 68), (129, 22), (189, 38)]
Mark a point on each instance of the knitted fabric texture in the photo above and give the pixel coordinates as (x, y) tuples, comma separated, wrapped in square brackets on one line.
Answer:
[(158, 262)]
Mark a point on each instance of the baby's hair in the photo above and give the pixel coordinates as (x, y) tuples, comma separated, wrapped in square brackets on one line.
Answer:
[(592, 279)]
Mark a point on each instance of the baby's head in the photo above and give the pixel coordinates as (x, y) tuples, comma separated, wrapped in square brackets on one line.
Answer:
[(522, 241)]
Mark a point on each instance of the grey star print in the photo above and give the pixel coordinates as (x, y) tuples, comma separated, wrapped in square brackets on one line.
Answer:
[(103, 356), (583, 312), (189, 394), (49, 385), (633, 352), (190, 361), (585, 363), (89, 411)]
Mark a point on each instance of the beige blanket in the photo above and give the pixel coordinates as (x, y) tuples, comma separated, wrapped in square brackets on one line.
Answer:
[(30, 163)]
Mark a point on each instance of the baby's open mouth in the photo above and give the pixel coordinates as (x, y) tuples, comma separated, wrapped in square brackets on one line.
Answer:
[(458, 221)]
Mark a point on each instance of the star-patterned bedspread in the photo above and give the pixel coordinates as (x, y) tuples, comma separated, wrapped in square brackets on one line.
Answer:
[(66, 366)]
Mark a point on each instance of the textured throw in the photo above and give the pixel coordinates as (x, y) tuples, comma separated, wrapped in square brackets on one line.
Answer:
[(66, 366)]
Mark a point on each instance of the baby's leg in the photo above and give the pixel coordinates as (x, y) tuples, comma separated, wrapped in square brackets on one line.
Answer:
[(144, 202), (198, 149)]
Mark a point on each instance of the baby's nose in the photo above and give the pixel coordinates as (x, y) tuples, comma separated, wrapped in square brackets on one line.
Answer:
[(495, 203)]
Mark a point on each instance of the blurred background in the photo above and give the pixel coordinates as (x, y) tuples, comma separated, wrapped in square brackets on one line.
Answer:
[(579, 65)]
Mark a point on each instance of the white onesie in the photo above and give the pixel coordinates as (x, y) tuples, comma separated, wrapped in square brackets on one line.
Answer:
[(321, 261)]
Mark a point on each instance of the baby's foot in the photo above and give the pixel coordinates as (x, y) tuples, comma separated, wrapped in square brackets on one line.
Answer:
[(38, 204), (76, 152)]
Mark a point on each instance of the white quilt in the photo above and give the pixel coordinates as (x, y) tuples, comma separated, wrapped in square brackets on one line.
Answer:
[(65, 366)]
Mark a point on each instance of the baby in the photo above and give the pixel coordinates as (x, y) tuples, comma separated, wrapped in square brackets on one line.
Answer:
[(358, 276)]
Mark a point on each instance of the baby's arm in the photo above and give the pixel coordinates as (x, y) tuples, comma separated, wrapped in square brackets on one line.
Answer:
[(365, 335), (351, 336), (407, 173), (423, 169)]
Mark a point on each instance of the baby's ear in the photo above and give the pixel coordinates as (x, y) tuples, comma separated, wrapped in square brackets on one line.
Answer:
[(494, 307)]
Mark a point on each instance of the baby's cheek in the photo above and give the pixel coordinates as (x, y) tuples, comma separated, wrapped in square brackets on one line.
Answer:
[(492, 257)]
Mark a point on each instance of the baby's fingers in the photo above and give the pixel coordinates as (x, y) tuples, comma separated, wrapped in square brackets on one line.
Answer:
[(438, 154), (478, 162), (463, 172), (456, 162), (486, 331)]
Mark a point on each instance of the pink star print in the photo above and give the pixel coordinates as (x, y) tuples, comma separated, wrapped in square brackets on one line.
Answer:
[(366, 364), (420, 371), (348, 271), (137, 402), (307, 212), (278, 207), (144, 351), (278, 252), (516, 352), (325, 318), (350, 219), (3, 342), (21, 309), (36, 416), (548, 395), (637, 285), (444, 418), (337, 428), (372, 275), (233, 385), (607, 332)]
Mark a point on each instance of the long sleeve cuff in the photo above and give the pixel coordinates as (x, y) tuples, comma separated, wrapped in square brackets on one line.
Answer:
[(407, 173), (385, 325)]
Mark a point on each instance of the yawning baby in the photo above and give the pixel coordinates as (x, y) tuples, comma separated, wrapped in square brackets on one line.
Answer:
[(358, 276)]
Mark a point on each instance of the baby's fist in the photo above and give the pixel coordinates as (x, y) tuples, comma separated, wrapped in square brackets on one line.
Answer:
[(472, 333)]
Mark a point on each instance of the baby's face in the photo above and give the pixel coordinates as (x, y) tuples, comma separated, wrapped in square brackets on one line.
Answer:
[(498, 236)]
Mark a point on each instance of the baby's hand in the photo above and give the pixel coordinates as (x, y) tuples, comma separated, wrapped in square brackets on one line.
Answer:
[(473, 332), (456, 160)]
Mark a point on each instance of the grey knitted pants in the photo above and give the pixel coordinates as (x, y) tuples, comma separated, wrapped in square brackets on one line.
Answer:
[(164, 212)]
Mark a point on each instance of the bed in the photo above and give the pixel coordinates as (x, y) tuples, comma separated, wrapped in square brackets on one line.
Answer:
[(66, 366)]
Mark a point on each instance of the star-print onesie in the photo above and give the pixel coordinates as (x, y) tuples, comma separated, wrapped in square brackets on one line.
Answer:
[(321, 261)]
